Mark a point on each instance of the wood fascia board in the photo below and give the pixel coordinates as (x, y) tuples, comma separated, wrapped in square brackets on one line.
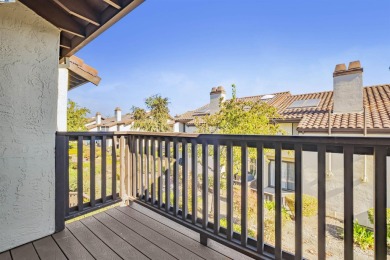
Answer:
[(56, 16), (79, 9), (93, 79), (80, 43)]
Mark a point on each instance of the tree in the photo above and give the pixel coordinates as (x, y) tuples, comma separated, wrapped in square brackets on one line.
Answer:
[(76, 116), (156, 120), (240, 117)]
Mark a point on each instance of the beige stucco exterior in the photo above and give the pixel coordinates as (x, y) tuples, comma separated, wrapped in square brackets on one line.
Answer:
[(29, 48)]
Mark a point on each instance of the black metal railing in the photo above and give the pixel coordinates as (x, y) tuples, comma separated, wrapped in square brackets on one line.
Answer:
[(168, 172)]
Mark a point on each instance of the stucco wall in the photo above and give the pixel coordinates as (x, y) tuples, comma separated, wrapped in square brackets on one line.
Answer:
[(28, 107)]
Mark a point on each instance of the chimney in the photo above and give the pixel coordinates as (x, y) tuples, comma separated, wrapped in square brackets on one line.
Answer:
[(98, 118), (118, 114), (216, 95), (348, 88)]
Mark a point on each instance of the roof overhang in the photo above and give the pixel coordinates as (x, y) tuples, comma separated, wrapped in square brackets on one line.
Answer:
[(80, 73), (80, 21)]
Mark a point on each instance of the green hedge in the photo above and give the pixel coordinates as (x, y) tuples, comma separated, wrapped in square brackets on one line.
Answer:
[(309, 204)]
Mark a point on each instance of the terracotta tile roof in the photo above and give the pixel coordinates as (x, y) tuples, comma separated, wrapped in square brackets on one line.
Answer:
[(376, 101), (316, 118)]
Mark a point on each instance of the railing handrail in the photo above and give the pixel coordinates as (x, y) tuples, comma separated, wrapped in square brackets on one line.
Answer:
[(327, 140)]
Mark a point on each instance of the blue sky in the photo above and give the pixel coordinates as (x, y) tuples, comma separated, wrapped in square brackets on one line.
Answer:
[(182, 48)]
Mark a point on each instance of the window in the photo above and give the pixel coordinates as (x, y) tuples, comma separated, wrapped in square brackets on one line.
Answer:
[(288, 178), (104, 128), (305, 103)]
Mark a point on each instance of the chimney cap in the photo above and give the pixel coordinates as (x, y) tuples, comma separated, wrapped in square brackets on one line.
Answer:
[(218, 90), (340, 67), (354, 65), (118, 109), (98, 114)]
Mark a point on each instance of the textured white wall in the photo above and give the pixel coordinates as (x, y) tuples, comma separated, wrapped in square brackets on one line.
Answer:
[(29, 48), (62, 106)]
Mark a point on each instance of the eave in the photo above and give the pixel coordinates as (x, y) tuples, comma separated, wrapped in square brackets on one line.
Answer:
[(81, 21)]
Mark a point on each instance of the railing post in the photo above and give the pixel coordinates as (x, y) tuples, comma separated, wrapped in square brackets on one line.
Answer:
[(60, 189)]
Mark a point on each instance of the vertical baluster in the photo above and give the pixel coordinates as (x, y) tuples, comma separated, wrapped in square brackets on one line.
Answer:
[(142, 176), (348, 202), (380, 204), (205, 184), (122, 168), (278, 201), (134, 166), (113, 171), (130, 163), (104, 168), (168, 175), (66, 179), (298, 200), (176, 178), (92, 171), (216, 188), (80, 204), (229, 190), (160, 173), (153, 147), (127, 168), (260, 197), (137, 165), (184, 156), (321, 201), (194, 179), (147, 169), (244, 194)]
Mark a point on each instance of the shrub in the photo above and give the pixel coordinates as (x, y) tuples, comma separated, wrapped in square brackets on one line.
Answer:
[(309, 204), (362, 236), (371, 215), (270, 207), (237, 228)]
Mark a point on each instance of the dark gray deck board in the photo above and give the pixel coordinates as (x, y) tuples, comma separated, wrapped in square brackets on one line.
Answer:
[(5, 256), (91, 242), (72, 248), (132, 232), (26, 251), (146, 247), (179, 238), (168, 245), (117, 244), (48, 249)]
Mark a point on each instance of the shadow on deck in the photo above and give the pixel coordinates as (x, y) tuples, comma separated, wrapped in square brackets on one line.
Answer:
[(132, 232)]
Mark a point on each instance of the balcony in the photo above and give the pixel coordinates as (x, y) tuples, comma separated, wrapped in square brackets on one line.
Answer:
[(160, 179)]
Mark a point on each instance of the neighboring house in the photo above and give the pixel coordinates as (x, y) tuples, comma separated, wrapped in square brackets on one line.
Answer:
[(349, 110), (115, 123)]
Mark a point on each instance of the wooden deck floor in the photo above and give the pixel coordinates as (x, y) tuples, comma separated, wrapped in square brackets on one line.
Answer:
[(132, 232)]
